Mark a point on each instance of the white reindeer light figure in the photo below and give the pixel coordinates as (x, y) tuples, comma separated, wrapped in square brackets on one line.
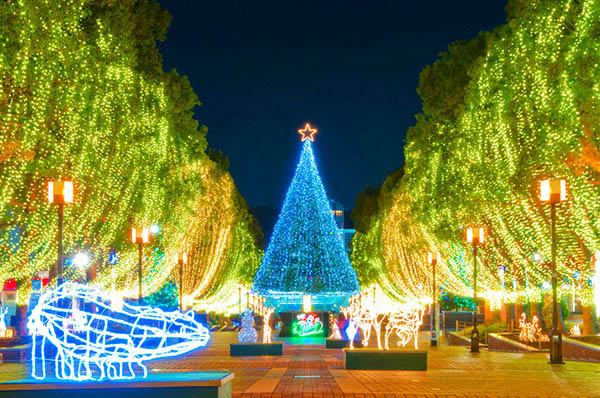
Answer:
[(364, 314), (267, 311)]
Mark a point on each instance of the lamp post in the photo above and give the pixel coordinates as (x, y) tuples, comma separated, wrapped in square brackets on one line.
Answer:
[(475, 237), (61, 193), (240, 287), (433, 259), (139, 237), (554, 191), (182, 260)]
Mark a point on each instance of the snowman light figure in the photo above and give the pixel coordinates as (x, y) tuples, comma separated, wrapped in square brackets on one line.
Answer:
[(247, 333)]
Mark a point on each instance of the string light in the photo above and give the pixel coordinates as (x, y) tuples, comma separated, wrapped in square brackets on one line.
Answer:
[(483, 166), (102, 343), (307, 325), (531, 332), (305, 255), (366, 314)]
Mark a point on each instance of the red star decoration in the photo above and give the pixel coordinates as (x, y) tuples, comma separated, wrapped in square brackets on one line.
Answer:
[(307, 132)]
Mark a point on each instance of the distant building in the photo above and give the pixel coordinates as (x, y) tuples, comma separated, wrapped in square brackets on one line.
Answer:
[(346, 234)]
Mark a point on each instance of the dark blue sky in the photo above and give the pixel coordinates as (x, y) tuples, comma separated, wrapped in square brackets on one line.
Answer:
[(351, 68)]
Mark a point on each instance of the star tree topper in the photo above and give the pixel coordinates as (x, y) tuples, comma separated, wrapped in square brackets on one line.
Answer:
[(307, 133)]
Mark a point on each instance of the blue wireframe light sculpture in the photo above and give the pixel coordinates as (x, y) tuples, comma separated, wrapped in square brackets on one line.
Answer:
[(90, 335)]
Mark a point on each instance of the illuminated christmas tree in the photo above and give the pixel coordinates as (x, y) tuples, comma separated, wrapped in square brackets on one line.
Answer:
[(306, 253)]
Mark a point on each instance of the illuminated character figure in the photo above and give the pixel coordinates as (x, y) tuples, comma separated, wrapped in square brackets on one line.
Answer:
[(531, 332), (406, 324), (307, 324), (266, 326), (247, 333), (351, 331), (92, 342)]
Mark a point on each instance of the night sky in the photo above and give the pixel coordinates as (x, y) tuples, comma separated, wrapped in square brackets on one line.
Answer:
[(351, 68)]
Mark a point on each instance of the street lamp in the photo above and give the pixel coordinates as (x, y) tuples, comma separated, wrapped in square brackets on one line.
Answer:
[(433, 259), (61, 193), (182, 260), (139, 237), (240, 287), (554, 191), (475, 237)]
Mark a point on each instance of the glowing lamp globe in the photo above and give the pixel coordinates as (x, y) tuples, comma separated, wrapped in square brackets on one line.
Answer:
[(475, 235), (433, 258), (60, 192), (182, 258), (81, 260), (140, 235), (553, 191)]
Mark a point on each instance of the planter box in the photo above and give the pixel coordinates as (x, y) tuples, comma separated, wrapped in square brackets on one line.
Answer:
[(374, 359), (156, 385), (457, 339), (255, 349), (331, 343), (497, 342), (16, 354), (574, 350)]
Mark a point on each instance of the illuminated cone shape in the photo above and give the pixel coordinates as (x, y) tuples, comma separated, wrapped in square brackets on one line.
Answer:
[(306, 253)]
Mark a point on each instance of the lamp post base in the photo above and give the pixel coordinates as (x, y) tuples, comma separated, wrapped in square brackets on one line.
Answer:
[(475, 339), (556, 357)]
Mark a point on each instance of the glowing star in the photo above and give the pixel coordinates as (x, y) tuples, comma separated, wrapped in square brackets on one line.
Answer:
[(307, 133), (94, 342)]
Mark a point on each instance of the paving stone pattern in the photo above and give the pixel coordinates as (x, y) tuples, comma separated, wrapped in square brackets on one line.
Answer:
[(313, 371)]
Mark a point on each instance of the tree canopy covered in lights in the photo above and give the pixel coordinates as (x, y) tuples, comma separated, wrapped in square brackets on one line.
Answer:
[(500, 113), (84, 98)]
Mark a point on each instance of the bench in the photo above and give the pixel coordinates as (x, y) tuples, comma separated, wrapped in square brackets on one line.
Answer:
[(156, 385)]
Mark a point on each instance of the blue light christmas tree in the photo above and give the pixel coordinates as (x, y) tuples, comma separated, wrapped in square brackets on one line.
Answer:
[(306, 252)]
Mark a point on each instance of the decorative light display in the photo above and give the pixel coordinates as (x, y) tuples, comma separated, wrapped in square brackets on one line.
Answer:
[(365, 313), (3, 312), (351, 331), (531, 332), (93, 342), (335, 332), (307, 303), (247, 333), (307, 133), (305, 254), (104, 115), (479, 163), (267, 312), (575, 330), (307, 325)]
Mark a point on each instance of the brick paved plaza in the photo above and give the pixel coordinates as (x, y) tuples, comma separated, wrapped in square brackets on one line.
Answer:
[(312, 371)]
